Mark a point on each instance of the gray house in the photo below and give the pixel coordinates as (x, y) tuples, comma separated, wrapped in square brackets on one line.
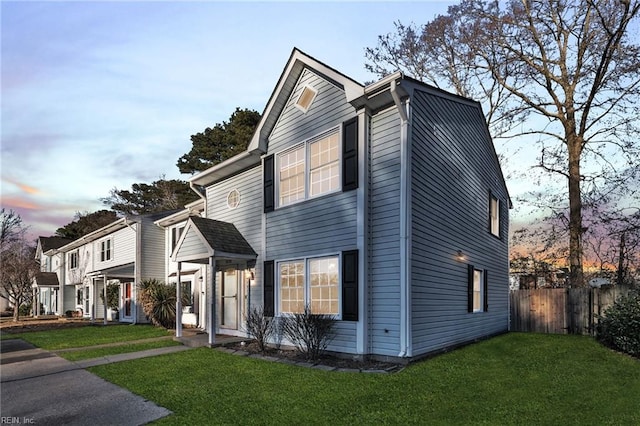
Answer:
[(383, 205)]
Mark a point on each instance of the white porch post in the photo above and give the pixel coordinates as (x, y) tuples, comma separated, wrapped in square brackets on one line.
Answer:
[(92, 293), (179, 302), (34, 303), (211, 296), (104, 295)]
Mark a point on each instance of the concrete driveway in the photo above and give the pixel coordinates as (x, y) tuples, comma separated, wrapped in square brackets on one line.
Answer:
[(38, 387)]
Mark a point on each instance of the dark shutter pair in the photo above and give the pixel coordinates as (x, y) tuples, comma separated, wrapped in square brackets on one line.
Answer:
[(485, 289), (349, 165), (349, 286)]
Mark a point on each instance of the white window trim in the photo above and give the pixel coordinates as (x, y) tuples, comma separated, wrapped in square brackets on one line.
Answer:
[(481, 289), (313, 98), (110, 239), (239, 199), (77, 253), (494, 223), (307, 167), (307, 281)]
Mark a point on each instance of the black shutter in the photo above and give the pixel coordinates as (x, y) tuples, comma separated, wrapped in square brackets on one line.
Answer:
[(470, 270), (350, 285), (350, 154), (485, 290), (268, 173), (269, 293)]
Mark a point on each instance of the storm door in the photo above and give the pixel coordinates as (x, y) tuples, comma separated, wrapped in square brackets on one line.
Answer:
[(229, 286), (127, 308)]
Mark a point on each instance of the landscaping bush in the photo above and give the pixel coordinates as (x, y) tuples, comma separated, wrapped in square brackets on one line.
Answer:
[(259, 326), (619, 327), (113, 296), (310, 333), (159, 302)]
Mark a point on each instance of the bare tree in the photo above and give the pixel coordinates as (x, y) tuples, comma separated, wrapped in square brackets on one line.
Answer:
[(18, 265), (574, 67)]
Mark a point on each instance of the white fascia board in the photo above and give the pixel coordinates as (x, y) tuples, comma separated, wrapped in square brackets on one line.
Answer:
[(227, 168), (98, 233)]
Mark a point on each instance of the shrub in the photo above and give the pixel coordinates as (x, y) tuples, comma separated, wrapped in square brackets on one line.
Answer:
[(259, 326), (310, 333), (619, 327), (113, 296), (159, 302)]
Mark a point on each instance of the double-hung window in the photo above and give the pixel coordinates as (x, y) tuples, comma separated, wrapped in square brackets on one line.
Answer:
[(105, 250), (478, 289), (73, 259), (310, 169), (494, 215), (313, 282)]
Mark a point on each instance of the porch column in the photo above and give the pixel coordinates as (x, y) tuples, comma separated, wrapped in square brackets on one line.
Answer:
[(179, 303), (104, 295), (34, 303), (211, 299), (92, 299)]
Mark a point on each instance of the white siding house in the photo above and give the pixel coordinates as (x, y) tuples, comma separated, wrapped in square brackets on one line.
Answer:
[(383, 205)]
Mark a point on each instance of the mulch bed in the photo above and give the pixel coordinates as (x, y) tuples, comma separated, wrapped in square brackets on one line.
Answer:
[(327, 360), (25, 325)]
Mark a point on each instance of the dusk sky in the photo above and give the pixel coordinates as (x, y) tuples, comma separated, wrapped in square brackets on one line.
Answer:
[(97, 95)]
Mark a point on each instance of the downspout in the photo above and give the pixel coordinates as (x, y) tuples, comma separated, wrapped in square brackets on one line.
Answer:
[(136, 280), (405, 271)]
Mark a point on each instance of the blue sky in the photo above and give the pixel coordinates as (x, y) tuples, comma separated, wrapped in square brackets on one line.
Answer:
[(97, 95)]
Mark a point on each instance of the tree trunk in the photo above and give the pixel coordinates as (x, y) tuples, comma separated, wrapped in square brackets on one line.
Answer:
[(621, 256), (576, 276), (16, 312)]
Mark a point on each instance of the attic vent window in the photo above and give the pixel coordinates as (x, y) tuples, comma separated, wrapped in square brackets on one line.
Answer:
[(306, 98), (233, 199)]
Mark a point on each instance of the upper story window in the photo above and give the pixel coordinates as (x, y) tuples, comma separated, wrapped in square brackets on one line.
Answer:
[(309, 169), (176, 233), (74, 259), (106, 250), (233, 199), (494, 215)]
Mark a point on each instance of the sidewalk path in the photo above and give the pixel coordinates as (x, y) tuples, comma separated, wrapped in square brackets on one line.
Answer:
[(39, 387)]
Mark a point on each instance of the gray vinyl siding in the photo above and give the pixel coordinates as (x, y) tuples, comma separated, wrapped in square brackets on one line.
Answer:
[(319, 226), (384, 250), (192, 245), (152, 250), (328, 110), (247, 217), (453, 171)]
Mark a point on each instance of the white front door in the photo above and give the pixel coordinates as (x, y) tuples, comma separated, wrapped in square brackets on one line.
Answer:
[(229, 292)]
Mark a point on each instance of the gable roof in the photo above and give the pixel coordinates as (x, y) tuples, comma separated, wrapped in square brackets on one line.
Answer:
[(46, 279), (297, 63), (219, 239), (48, 243)]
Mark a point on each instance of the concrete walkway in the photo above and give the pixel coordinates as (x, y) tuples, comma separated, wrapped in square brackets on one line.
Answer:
[(41, 388)]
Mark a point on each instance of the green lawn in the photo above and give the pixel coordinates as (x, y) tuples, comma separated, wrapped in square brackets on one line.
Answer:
[(511, 379), (77, 337)]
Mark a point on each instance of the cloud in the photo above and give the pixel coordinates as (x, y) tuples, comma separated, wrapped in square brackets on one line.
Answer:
[(23, 187)]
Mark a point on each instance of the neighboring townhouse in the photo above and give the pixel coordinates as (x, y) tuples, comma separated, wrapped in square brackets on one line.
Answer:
[(383, 205), (191, 274), (47, 291), (125, 252)]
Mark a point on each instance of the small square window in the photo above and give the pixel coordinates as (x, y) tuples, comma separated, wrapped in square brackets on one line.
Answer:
[(306, 98)]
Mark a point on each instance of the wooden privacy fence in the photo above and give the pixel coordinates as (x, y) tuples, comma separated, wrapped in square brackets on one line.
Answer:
[(560, 310)]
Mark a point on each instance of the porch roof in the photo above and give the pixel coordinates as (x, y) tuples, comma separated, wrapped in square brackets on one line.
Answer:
[(120, 271), (46, 279), (205, 238)]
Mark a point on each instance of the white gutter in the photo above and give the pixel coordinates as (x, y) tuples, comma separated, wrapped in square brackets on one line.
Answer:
[(405, 225)]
